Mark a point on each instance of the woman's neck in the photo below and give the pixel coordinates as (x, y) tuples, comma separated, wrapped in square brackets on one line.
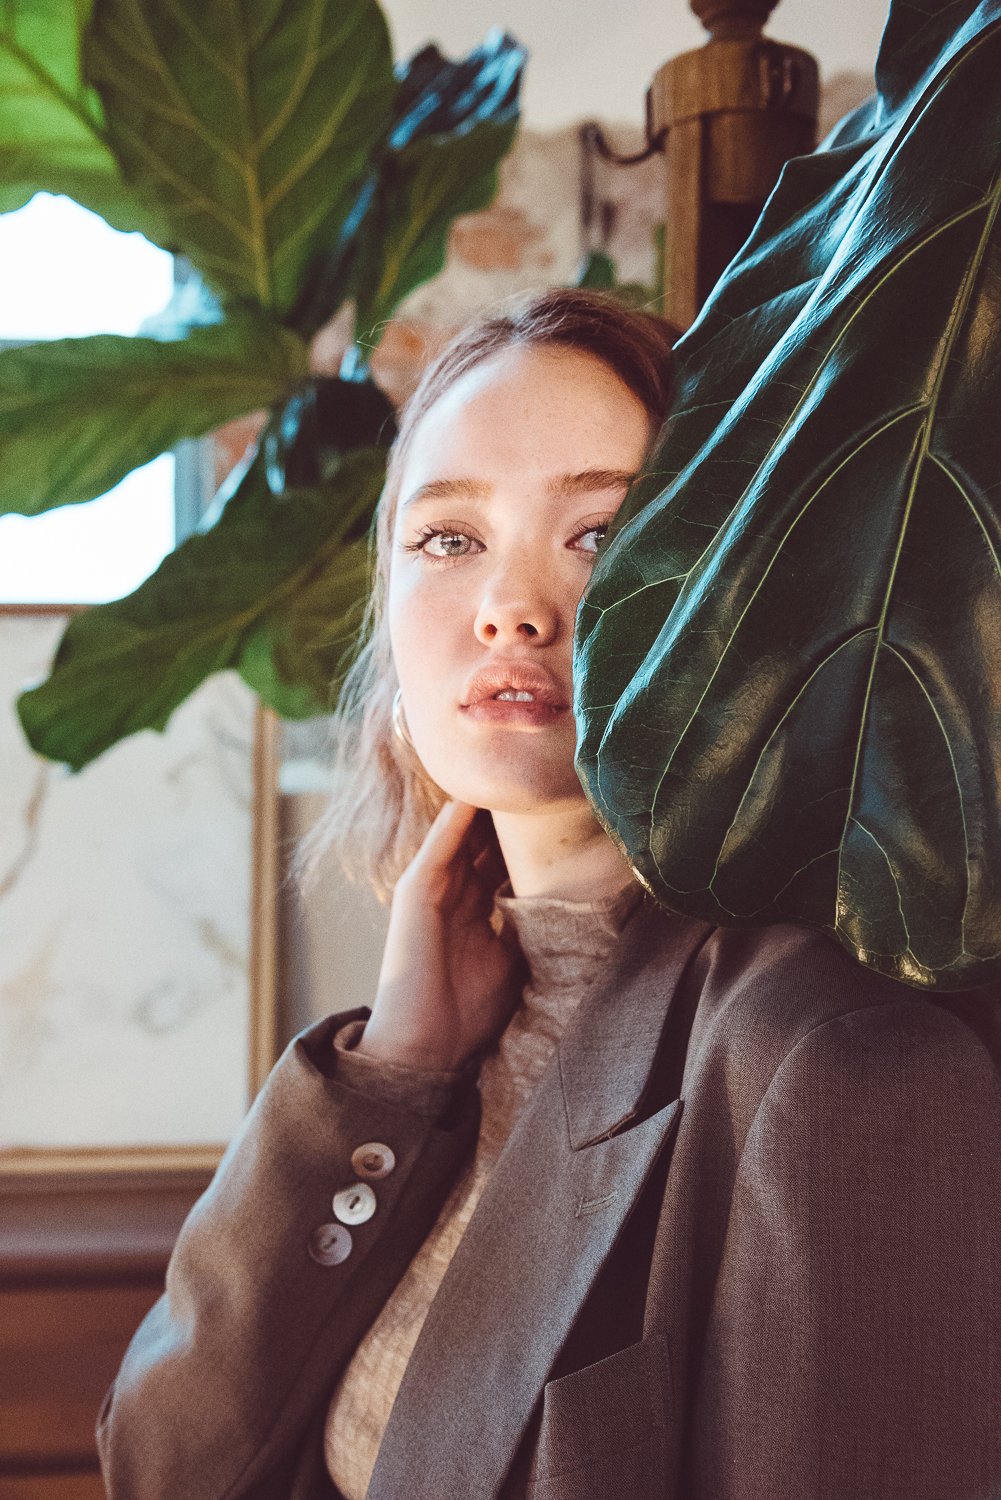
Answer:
[(562, 852)]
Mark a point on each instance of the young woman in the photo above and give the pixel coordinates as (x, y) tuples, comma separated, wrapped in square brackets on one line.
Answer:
[(594, 1199)]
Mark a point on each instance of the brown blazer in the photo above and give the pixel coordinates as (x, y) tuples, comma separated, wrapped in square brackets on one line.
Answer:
[(742, 1246)]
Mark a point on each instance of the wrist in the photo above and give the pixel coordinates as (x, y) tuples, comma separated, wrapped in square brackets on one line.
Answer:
[(374, 1043)]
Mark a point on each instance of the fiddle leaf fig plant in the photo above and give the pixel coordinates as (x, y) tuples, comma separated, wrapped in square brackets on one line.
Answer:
[(788, 659), (271, 590), (447, 121), (52, 129), (275, 145), (79, 414), (251, 127)]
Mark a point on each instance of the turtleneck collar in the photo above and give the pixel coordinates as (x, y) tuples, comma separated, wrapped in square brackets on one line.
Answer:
[(566, 943)]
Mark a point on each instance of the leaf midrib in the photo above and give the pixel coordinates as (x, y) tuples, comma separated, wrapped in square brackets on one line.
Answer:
[(263, 282), (194, 381)]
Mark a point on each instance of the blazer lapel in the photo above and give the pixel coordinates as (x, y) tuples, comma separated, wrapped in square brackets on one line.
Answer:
[(544, 1227)]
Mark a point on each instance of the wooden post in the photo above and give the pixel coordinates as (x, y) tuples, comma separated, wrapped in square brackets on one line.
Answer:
[(727, 116)]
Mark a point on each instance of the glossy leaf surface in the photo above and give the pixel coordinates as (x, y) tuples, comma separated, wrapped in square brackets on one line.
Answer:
[(51, 124), (251, 125), (271, 590), (77, 415), (436, 96), (788, 661)]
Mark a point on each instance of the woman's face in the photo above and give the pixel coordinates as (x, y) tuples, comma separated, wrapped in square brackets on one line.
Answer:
[(510, 482)]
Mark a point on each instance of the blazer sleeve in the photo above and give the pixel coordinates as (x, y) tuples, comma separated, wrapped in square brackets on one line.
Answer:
[(226, 1371), (854, 1342)]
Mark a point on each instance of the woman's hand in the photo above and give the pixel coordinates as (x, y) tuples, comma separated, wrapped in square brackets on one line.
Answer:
[(448, 981)]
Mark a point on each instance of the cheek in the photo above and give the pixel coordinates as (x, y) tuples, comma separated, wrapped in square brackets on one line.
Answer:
[(425, 632), (423, 627)]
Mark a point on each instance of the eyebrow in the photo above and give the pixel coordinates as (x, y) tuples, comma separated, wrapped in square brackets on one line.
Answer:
[(561, 487)]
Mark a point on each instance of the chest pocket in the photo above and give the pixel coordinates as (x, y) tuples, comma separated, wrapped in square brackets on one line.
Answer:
[(603, 1429)]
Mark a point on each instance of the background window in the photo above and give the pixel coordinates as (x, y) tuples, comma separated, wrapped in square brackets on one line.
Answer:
[(67, 274)]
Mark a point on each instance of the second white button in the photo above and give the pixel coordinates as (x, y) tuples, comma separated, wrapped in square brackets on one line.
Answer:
[(354, 1204)]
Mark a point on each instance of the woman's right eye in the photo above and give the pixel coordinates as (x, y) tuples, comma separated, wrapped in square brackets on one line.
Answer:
[(450, 544), (449, 541)]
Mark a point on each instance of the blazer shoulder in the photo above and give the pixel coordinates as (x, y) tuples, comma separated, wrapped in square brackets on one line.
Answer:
[(764, 991), (912, 1045), (905, 1095)]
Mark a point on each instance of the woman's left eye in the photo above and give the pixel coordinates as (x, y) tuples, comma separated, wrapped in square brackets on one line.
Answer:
[(592, 531)]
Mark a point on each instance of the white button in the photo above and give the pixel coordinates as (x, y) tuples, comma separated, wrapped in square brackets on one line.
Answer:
[(373, 1160), (329, 1244), (354, 1204)]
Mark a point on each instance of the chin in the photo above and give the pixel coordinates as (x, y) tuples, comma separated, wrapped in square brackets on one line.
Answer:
[(524, 784)]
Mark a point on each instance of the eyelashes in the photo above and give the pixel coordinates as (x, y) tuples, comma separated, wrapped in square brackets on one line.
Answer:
[(427, 533), (601, 526)]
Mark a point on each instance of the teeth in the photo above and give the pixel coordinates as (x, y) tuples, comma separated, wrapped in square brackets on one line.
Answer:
[(510, 696)]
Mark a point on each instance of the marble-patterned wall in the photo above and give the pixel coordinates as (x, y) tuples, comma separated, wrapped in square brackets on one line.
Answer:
[(125, 895), (332, 941)]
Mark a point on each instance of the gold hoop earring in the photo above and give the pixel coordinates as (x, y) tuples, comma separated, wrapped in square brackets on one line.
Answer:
[(400, 728)]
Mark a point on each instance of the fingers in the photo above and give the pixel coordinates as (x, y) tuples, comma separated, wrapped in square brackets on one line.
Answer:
[(460, 865), (445, 837), (489, 867), (442, 866)]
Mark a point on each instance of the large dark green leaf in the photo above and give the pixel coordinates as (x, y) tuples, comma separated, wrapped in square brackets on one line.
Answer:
[(51, 128), (306, 440), (296, 655), (77, 415), (271, 590), (789, 657), (252, 125)]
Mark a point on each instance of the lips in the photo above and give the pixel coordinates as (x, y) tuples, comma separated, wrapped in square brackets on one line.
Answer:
[(548, 704), (519, 677)]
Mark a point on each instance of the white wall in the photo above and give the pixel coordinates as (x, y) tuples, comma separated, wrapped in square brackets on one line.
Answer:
[(596, 57)]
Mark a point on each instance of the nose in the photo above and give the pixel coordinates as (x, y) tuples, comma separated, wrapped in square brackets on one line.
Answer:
[(517, 607)]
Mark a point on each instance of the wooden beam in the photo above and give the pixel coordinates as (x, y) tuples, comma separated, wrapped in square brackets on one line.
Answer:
[(727, 117)]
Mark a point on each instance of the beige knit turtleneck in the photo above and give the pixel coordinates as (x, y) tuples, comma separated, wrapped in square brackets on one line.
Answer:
[(567, 945)]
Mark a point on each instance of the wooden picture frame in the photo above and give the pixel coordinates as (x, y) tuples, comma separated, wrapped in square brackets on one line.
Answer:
[(241, 741)]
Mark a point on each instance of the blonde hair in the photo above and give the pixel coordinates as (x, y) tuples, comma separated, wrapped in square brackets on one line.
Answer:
[(383, 801)]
